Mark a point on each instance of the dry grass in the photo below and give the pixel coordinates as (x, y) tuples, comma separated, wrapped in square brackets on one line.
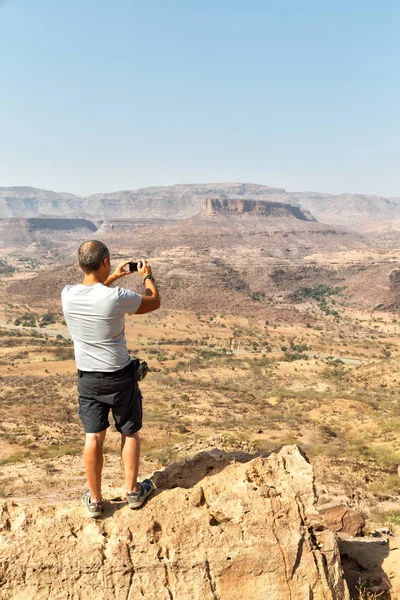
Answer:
[(231, 386), (365, 594)]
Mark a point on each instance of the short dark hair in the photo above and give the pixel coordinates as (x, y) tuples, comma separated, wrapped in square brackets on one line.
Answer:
[(91, 254)]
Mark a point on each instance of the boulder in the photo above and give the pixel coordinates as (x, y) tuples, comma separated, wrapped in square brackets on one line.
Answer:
[(232, 530), (341, 519)]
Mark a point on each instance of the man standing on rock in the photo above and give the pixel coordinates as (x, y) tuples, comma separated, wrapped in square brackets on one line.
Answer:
[(95, 315)]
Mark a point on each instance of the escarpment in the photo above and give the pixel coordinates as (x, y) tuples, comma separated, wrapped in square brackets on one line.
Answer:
[(212, 206)]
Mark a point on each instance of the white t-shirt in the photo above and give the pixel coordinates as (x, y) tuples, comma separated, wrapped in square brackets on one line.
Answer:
[(95, 315)]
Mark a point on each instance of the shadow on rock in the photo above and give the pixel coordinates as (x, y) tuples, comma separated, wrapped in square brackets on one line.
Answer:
[(362, 560), (189, 471)]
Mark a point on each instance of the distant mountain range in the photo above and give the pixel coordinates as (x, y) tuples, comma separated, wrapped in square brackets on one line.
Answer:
[(351, 210), (185, 200)]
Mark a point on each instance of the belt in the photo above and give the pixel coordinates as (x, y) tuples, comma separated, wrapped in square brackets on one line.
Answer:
[(105, 374)]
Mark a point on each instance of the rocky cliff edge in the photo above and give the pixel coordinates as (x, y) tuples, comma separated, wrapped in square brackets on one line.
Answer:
[(219, 527)]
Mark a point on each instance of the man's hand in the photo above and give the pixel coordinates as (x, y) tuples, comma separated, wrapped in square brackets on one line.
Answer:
[(120, 270), (118, 273), (151, 299), (144, 268)]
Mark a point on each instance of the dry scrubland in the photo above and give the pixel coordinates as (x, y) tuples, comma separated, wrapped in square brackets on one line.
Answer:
[(275, 329), (238, 383)]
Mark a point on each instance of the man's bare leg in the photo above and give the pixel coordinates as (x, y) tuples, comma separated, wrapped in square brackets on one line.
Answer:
[(130, 453), (93, 460)]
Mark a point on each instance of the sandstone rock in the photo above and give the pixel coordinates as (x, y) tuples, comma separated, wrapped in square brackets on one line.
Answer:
[(341, 519), (375, 562), (211, 206), (231, 531), (391, 566)]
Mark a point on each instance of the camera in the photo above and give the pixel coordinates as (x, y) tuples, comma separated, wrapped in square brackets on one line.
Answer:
[(133, 266)]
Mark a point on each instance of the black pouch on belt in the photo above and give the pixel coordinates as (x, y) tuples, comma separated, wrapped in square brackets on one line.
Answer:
[(140, 368)]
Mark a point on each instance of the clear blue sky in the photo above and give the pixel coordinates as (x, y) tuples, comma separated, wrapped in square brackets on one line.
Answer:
[(102, 96)]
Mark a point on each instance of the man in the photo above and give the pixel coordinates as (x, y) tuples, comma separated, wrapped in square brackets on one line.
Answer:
[(95, 315)]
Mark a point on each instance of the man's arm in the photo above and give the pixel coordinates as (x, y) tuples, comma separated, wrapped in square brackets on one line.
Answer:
[(118, 273), (151, 299)]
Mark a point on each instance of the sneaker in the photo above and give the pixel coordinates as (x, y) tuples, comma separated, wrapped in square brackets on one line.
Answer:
[(136, 499), (93, 509)]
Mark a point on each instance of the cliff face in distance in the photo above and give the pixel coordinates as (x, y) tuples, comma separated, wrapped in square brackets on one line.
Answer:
[(171, 202), (183, 201), (212, 206)]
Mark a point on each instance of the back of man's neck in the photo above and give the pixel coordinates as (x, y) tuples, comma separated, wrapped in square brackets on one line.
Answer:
[(90, 280)]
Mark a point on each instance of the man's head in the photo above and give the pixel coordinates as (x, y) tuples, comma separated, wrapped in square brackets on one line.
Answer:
[(93, 257)]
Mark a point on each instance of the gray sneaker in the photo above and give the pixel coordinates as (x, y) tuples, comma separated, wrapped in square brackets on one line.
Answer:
[(93, 509), (136, 499)]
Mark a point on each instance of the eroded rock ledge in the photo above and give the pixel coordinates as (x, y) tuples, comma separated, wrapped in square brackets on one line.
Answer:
[(216, 529), (212, 206)]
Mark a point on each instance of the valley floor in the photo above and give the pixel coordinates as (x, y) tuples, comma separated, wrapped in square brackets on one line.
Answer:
[(216, 381)]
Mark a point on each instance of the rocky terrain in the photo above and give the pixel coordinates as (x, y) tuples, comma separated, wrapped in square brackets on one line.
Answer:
[(245, 256), (217, 527), (275, 329), (228, 256), (174, 202), (354, 211), (351, 210), (23, 202)]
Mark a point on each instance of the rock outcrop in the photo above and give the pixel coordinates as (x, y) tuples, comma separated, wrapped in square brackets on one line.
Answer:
[(216, 529), (341, 519), (212, 206)]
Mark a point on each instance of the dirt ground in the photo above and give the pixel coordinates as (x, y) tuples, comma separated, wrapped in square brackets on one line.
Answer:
[(321, 371)]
